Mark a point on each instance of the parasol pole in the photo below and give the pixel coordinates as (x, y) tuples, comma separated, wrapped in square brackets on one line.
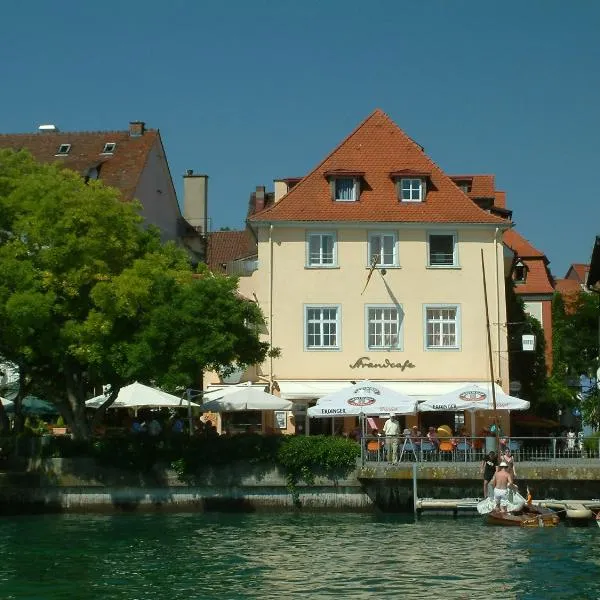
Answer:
[(490, 355)]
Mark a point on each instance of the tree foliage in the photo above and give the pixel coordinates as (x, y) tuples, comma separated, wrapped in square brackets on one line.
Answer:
[(575, 350), (88, 297), (529, 368)]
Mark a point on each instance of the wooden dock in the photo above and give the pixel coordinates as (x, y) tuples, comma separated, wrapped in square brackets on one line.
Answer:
[(574, 511)]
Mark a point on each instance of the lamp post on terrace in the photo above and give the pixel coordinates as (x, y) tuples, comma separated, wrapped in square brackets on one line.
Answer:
[(191, 394)]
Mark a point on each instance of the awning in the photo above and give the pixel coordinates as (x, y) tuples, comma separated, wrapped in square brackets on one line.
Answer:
[(313, 389)]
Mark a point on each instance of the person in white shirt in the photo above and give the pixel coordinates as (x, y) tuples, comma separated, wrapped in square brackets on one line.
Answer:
[(391, 429)]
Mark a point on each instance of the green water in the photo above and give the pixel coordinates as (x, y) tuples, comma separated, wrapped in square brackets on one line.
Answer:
[(281, 555)]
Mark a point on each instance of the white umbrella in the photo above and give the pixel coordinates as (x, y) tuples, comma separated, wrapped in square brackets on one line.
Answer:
[(137, 395), (246, 397), (472, 397), (363, 398)]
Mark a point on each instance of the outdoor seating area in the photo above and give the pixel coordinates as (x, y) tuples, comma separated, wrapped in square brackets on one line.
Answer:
[(473, 449)]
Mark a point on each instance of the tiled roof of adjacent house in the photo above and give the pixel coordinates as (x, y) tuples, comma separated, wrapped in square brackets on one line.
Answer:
[(567, 286), (121, 169), (226, 246), (377, 148), (515, 241), (538, 279), (578, 272)]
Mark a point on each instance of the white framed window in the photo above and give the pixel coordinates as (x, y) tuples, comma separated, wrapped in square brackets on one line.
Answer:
[(345, 189), (412, 190), (322, 327), (384, 326), (63, 149), (109, 148), (442, 250), (321, 249), (442, 326), (383, 246)]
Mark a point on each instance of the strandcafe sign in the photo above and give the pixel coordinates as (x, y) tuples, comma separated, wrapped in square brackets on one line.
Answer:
[(364, 362)]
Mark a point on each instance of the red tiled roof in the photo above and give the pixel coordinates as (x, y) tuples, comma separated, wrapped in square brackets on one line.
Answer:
[(482, 186), (538, 280), (567, 286), (378, 147), (578, 272), (500, 199), (226, 246), (515, 241), (121, 170)]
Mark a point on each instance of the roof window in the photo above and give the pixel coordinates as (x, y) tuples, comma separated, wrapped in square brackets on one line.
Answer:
[(63, 149), (109, 148)]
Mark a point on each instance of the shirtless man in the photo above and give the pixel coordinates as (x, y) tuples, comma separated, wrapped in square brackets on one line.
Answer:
[(501, 481)]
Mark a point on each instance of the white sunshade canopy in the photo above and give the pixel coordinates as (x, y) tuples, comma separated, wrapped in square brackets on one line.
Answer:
[(472, 397), (245, 397), (137, 395), (363, 398)]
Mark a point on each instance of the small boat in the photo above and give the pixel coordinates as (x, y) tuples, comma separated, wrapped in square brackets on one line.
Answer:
[(528, 516)]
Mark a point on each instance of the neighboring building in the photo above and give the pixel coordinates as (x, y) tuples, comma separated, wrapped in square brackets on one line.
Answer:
[(593, 273), (418, 321), (574, 281), (133, 161), (533, 283)]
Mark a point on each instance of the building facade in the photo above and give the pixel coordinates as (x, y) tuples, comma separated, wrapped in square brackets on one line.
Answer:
[(371, 267)]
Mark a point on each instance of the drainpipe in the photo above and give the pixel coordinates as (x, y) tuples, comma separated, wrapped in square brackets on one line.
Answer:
[(498, 324), (271, 307)]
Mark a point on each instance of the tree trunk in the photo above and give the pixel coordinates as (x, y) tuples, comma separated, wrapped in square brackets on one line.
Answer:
[(75, 417)]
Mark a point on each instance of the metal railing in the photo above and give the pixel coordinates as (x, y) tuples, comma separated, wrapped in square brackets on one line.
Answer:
[(380, 449)]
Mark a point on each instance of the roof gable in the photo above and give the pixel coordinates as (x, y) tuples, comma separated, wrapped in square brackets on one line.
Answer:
[(378, 148), (121, 169)]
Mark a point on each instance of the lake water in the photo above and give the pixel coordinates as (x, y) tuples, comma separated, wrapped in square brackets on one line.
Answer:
[(252, 556)]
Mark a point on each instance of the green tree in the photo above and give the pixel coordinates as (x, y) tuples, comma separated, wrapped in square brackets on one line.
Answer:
[(89, 298), (575, 349), (529, 368)]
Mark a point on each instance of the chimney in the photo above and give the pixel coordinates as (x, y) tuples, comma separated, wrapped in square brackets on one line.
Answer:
[(259, 198), (281, 189), (137, 128), (195, 200), (48, 128)]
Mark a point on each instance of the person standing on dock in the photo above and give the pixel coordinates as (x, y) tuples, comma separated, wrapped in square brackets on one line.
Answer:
[(391, 429), (488, 470)]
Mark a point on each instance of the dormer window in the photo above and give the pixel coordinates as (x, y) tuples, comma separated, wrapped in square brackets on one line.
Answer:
[(520, 273), (346, 189), (465, 187), (63, 150), (345, 184), (412, 190), (411, 184), (109, 148)]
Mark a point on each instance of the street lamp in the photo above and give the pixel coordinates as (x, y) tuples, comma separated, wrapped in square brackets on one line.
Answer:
[(190, 394)]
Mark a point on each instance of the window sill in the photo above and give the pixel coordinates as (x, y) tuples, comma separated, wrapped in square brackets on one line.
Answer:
[(313, 267), (448, 267), (323, 349), (388, 349), (368, 267), (443, 349)]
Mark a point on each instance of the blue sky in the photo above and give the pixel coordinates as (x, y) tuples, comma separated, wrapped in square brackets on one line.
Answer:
[(252, 90)]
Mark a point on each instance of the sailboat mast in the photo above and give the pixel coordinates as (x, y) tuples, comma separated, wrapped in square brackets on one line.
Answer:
[(489, 345)]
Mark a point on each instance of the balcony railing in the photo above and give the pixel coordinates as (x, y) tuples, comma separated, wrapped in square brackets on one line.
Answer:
[(242, 268), (379, 449)]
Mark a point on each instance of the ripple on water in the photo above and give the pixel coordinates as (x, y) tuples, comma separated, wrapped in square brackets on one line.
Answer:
[(287, 555)]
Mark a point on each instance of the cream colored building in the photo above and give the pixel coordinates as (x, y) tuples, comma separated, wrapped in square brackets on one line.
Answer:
[(370, 267)]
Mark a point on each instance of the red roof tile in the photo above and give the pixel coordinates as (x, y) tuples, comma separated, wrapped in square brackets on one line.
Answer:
[(377, 147), (121, 170), (226, 246), (538, 280), (515, 241), (567, 286), (578, 272), (500, 199)]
